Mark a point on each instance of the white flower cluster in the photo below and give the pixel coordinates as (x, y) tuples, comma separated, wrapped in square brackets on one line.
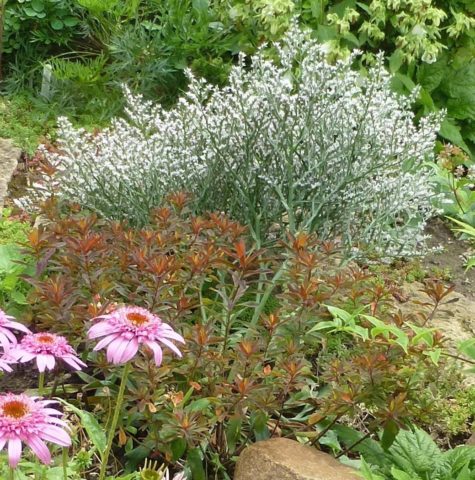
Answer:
[(293, 141)]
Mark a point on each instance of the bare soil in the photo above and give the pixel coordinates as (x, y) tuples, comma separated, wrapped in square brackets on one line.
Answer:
[(451, 257)]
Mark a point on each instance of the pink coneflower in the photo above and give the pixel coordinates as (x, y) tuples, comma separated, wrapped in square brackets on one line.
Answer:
[(4, 365), (126, 328), (32, 421), (45, 348), (6, 326)]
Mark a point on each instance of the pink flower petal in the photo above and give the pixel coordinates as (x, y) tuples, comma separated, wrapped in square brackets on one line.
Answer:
[(14, 452), (115, 349), (157, 352), (173, 335), (105, 341), (100, 329), (171, 346), (6, 338), (19, 326), (56, 435), (74, 362), (39, 448), (129, 351)]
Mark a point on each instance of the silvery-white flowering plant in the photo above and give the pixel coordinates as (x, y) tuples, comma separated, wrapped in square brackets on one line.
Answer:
[(293, 142)]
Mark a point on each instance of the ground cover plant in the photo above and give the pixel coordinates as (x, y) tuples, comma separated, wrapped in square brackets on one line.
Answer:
[(299, 144)]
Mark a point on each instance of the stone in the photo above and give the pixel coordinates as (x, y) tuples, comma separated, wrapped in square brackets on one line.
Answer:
[(284, 459), (9, 156)]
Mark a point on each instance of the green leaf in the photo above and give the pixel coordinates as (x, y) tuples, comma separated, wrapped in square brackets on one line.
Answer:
[(178, 447), (200, 5), (233, 432), (367, 473), (450, 131), (467, 347), (400, 80), (462, 107), (415, 452), (9, 256), (339, 313), (368, 448), (400, 475), (431, 75), (37, 5), (70, 21), (259, 425), (56, 24), (390, 431), (196, 464), (29, 12), (198, 405), (465, 473), (396, 60), (458, 457), (434, 355), (94, 431), (18, 297)]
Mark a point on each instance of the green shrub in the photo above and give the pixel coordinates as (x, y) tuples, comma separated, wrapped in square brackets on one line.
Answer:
[(298, 370)]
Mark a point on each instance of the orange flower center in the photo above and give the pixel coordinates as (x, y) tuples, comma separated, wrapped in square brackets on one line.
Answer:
[(137, 319), (45, 338), (15, 409)]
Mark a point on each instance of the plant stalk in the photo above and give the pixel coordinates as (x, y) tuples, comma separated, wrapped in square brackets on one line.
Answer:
[(41, 383), (115, 419), (65, 463)]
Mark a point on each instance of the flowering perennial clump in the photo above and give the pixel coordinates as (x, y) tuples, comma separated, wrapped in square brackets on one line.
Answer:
[(31, 421), (295, 143), (126, 328)]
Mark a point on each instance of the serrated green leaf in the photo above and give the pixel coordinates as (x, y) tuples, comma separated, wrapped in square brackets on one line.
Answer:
[(415, 452), (431, 75)]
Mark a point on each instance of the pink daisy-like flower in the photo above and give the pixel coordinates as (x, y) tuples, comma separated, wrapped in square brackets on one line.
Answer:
[(126, 328), (4, 365), (45, 348), (32, 421), (7, 324)]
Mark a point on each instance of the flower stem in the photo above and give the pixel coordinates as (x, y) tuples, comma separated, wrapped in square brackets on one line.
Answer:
[(11, 473), (65, 463), (115, 419), (41, 383)]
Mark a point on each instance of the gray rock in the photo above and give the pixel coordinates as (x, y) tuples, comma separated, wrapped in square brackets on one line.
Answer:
[(284, 459), (9, 156)]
